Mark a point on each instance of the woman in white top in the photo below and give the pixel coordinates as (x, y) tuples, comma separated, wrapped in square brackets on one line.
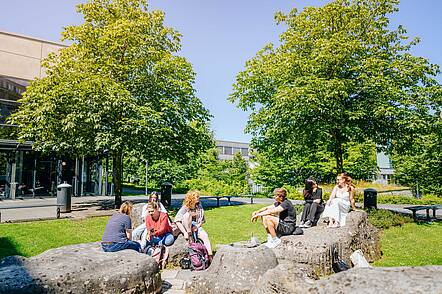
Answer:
[(341, 199), (139, 233)]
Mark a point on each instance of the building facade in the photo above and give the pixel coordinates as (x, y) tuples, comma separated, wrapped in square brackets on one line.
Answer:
[(24, 172)]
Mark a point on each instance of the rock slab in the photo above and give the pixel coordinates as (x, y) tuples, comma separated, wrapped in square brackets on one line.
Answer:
[(233, 270), (82, 268)]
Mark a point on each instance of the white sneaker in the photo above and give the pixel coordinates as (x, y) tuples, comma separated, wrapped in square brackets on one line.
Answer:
[(269, 238), (274, 243)]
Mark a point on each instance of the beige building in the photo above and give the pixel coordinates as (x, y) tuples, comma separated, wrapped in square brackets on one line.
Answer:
[(24, 172)]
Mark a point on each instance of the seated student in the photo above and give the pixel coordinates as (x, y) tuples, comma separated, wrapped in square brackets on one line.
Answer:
[(140, 233), (341, 199), (313, 205), (275, 226), (117, 234), (159, 231), (190, 218)]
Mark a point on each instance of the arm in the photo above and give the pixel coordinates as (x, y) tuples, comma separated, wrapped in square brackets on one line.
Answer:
[(332, 195), (317, 196), (269, 210), (128, 228), (352, 198)]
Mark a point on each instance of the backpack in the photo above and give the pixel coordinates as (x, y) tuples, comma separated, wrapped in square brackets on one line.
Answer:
[(198, 256), (160, 253)]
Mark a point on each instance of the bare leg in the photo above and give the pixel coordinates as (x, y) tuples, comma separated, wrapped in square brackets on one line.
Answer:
[(203, 236), (185, 225), (270, 222)]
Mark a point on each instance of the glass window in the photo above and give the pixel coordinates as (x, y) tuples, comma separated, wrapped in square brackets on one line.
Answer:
[(220, 149), (245, 151), (236, 150), (228, 150)]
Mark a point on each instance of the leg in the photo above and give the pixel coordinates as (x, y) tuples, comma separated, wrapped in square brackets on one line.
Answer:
[(185, 225), (312, 213), (138, 231), (270, 222), (167, 240), (203, 236), (305, 212)]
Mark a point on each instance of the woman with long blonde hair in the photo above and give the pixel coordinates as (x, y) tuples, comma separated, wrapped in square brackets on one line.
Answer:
[(341, 199), (190, 218)]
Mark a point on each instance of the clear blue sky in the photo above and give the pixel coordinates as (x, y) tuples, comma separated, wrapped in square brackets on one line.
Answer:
[(218, 37)]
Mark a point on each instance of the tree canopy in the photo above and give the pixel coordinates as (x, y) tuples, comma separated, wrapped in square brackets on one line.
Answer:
[(340, 76), (120, 86)]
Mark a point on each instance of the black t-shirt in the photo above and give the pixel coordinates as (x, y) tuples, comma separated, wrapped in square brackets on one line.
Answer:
[(288, 214)]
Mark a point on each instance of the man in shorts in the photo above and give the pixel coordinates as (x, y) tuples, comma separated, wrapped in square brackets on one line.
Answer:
[(278, 219)]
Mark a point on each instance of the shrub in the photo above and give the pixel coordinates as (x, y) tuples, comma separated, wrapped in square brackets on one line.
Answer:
[(383, 219)]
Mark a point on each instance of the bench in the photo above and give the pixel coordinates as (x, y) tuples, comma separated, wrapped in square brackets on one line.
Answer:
[(229, 197), (416, 208), (32, 206)]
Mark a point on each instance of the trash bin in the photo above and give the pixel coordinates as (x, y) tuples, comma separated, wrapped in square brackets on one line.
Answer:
[(64, 192), (166, 194), (370, 198)]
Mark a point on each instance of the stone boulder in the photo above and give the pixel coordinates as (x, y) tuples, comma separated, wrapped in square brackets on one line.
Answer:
[(285, 278), (233, 270), (424, 279), (136, 214), (320, 246), (82, 268)]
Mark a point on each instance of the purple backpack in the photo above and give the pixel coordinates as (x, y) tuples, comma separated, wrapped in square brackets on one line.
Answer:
[(198, 256)]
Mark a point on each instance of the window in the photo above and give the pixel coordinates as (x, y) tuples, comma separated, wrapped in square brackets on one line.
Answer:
[(220, 149), (228, 150), (236, 150), (245, 151)]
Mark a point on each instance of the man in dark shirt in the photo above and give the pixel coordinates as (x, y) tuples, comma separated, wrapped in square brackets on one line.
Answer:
[(275, 226)]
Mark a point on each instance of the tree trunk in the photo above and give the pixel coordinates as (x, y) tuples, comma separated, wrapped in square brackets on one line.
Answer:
[(117, 176)]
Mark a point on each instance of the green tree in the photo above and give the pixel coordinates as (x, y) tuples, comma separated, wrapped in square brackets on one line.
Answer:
[(420, 166), (119, 87), (340, 76), (220, 177)]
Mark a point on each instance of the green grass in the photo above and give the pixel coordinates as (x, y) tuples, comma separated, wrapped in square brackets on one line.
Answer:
[(412, 244), (32, 238)]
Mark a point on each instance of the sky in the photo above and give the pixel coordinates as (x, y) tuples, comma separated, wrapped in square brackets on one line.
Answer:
[(219, 36)]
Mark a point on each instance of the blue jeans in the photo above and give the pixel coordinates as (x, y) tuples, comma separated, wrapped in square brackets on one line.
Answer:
[(167, 240), (114, 246)]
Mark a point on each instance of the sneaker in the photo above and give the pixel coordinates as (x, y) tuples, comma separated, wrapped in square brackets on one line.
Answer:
[(301, 224), (269, 238), (274, 243), (307, 224)]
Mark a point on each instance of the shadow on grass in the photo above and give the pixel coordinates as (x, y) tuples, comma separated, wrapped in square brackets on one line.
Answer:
[(8, 247)]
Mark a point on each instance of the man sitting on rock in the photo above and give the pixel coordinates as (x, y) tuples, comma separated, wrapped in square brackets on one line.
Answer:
[(275, 226)]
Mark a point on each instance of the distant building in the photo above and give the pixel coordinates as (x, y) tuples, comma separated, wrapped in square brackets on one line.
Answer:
[(227, 149), (385, 168)]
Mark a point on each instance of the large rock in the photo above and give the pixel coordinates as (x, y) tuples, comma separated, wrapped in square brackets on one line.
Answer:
[(426, 279), (82, 268), (136, 214), (320, 246), (234, 270), (285, 278), (398, 280)]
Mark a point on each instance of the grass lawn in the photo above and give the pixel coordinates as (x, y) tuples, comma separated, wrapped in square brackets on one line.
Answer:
[(409, 244), (32, 238), (412, 244)]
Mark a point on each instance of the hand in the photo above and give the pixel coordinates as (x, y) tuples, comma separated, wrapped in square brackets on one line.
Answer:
[(328, 202), (317, 201), (194, 228), (186, 235)]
